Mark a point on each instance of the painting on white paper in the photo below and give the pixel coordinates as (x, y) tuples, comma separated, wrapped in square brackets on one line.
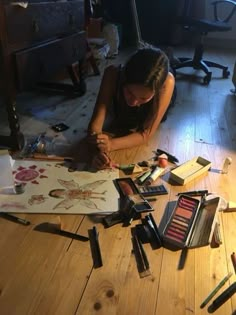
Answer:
[(50, 188)]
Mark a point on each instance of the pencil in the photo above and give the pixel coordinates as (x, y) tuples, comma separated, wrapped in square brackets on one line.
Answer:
[(221, 299), (39, 156), (217, 288)]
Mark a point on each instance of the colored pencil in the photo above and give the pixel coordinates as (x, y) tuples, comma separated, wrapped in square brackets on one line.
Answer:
[(217, 288)]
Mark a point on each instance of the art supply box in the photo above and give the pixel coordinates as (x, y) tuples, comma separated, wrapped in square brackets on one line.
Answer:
[(192, 223), (190, 170)]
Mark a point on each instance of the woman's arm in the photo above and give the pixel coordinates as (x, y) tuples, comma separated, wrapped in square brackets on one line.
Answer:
[(104, 100), (138, 138)]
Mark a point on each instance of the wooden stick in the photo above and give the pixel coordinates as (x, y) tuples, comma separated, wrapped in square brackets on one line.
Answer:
[(44, 157)]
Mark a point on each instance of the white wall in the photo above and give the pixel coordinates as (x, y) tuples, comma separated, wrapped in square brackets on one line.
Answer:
[(224, 10)]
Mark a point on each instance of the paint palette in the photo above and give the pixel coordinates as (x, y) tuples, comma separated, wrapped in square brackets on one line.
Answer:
[(191, 223)]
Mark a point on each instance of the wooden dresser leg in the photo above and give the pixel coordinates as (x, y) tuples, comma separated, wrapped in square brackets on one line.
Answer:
[(15, 141), (77, 75), (234, 76)]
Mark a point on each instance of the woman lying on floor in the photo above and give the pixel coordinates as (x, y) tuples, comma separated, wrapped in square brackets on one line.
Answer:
[(131, 103)]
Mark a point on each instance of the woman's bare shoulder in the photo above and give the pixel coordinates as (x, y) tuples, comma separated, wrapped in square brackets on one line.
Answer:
[(170, 80), (168, 85)]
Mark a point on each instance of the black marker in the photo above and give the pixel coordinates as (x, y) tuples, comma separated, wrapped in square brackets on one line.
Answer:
[(95, 247), (217, 288), (194, 193), (14, 218), (222, 298), (72, 235)]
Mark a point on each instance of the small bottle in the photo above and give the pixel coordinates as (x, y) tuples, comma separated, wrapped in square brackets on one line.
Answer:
[(144, 176), (19, 188), (52, 146), (226, 164)]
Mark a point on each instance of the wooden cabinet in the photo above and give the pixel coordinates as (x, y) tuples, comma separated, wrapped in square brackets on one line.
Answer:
[(39, 62), (35, 43)]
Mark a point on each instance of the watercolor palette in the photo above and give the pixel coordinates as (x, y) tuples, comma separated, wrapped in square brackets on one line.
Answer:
[(191, 223)]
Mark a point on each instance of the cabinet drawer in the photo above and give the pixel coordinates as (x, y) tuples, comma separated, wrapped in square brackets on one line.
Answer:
[(42, 21), (41, 62)]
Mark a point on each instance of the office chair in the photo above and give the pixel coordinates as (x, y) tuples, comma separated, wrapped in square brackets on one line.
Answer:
[(202, 27)]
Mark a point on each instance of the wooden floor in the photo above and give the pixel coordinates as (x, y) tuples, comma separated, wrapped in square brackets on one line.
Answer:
[(50, 274)]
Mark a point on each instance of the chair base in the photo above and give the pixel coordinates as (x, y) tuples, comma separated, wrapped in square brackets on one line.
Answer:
[(198, 63)]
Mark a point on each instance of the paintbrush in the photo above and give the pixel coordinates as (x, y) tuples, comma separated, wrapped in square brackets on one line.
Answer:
[(55, 228), (44, 157)]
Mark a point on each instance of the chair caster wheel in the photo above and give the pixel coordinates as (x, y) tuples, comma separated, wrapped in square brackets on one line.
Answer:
[(226, 73), (207, 79)]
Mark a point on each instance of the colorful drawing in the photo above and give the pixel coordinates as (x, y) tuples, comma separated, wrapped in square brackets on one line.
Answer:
[(37, 199), (50, 188), (29, 174), (74, 193)]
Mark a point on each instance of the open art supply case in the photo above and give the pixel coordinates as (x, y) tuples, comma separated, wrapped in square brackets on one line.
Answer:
[(192, 222), (190, 170)]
